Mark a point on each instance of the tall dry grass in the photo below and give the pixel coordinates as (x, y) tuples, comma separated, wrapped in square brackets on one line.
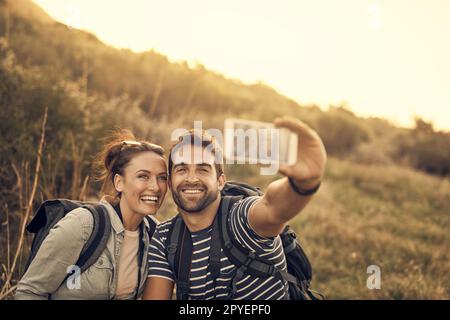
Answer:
[(7, 287), (381, 214)]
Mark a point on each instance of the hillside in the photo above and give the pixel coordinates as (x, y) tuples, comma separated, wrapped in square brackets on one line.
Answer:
[(376, 206), (29, 10)]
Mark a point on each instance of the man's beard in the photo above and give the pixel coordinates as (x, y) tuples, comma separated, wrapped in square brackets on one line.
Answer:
[(199, 205)]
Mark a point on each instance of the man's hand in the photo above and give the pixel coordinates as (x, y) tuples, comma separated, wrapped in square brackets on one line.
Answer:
[(269, 215), (308, 171)]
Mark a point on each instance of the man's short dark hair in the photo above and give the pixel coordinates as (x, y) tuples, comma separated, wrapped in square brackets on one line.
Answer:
[(200, 138)]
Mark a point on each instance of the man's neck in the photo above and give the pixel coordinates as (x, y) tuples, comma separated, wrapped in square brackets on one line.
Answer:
[(197, 221)]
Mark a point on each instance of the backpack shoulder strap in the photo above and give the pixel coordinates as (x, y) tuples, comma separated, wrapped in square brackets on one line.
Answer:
[(239, 255), (179, 255), (172, 242), (245, 260), (152, 222), (215, 251), (96, 242)]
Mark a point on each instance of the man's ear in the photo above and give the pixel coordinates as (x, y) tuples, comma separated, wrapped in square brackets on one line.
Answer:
[(118, 182), (222, 180)]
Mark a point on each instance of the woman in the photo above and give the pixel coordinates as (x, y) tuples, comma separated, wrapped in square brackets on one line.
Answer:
[(136, 173)]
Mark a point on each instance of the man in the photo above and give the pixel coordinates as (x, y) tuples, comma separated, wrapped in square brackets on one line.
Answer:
[(255, 222)]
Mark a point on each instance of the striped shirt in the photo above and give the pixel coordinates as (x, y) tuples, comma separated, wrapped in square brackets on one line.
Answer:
[(201, 284)]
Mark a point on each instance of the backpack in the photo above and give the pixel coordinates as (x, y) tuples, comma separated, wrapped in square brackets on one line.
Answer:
[(52, 211), (179, 252)]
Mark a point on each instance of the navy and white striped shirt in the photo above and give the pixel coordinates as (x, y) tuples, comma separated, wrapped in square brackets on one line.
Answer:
[(201, 285)]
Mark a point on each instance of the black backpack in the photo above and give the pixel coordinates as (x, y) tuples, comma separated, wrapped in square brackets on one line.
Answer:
[(51, 211), (179, 252)]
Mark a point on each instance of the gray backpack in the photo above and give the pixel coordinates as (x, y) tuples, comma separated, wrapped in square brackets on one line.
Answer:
[(52, 211)]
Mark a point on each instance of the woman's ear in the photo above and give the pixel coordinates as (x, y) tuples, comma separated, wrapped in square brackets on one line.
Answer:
[(118, 182)]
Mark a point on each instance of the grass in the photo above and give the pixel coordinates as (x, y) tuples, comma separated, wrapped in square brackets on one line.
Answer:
[(386, 215), (391, 216)]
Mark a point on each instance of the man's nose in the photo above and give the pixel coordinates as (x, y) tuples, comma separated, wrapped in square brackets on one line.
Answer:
[(192, 176)]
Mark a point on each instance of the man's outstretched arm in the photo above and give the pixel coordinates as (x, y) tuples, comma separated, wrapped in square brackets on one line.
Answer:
[(269, 215)]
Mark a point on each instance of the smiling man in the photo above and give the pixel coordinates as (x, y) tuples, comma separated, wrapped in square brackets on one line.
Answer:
[(255, 222)]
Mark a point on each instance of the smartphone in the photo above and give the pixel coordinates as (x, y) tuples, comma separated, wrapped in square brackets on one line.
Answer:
[(255, 142)]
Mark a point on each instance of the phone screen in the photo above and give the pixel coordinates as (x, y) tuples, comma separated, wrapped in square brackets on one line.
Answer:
[(256, 142)]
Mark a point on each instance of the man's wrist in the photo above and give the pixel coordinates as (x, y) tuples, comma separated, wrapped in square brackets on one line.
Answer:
[(304, 188), (308, 184)]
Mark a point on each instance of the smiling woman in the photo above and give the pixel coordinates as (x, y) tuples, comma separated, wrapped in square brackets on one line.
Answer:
[(133, 173), (134, 178)]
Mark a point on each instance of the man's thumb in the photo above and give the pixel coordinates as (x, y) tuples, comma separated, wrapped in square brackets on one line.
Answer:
[(285, 170)]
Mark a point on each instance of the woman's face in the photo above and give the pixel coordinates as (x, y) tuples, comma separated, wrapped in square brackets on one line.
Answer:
[(143, 184)]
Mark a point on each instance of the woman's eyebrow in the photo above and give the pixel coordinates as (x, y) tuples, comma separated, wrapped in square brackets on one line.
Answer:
[(149, 172), (143, 170)]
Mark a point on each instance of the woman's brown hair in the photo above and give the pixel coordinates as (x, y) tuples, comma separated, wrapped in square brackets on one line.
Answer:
[(119, 149)]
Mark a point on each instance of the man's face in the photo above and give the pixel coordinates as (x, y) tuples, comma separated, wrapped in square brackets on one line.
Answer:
[(193, 180)]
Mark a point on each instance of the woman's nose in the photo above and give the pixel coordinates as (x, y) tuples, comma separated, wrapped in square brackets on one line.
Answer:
[(153, 184)]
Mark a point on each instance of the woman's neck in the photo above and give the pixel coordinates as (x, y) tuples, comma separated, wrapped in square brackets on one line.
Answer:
[(196, 221), (130, 219)]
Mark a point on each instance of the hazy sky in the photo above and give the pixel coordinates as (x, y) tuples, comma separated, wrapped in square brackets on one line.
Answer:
[(388, 58)]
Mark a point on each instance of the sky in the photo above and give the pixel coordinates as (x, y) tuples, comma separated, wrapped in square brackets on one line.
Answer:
[(384, 58)]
